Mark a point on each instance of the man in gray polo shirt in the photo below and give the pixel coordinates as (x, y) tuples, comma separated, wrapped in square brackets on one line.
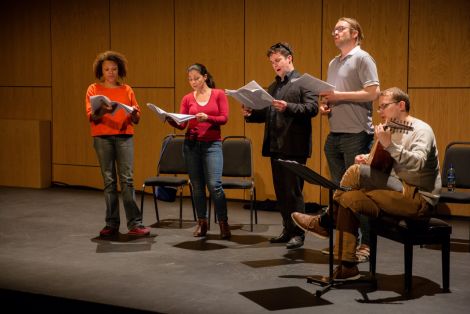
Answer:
[(349, 107)]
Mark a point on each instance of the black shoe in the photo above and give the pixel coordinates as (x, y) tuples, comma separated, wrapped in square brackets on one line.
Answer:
[(295, 242), (284, 237)]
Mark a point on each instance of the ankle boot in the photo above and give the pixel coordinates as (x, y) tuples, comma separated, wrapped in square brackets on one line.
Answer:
[(201, 228), (224, 230)]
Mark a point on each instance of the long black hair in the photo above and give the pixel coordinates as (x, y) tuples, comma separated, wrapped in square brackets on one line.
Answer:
[(201, 68)]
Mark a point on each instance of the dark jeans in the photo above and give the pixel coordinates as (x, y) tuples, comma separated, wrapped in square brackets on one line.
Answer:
[(342, 148), (340, 151), (288, 188), (205, 164)]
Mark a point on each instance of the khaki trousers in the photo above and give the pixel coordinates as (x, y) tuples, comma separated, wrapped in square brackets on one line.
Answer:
[(371, 192)]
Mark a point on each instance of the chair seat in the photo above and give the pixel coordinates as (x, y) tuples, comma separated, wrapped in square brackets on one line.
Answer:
[(455, 197), (416, 231), (165, 181), (413, 225), (229, 183)]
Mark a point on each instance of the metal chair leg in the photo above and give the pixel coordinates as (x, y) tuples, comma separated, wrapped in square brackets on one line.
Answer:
[(254, 205), (373, 255), (445, 247), (408, 267), (155, 205), (181, 207), (142, 200)]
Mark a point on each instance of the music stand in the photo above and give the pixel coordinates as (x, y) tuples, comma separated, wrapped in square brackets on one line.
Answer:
[(314, 178)]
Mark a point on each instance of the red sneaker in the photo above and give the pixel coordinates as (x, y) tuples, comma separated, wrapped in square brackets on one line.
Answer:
[(108, 231), (139, 231)]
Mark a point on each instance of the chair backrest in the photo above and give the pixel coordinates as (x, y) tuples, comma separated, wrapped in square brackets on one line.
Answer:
[(457, 154), (237, 151), (171, 157)]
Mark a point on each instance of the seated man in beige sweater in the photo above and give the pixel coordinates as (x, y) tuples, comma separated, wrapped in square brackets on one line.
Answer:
[(410, 190)]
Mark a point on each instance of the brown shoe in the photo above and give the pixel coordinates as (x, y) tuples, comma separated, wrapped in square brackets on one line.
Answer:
[(224, 230), (343, 273), (201, 229), (310, 224)]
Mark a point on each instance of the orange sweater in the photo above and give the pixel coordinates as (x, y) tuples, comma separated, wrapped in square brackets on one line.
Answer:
[(120, 122)]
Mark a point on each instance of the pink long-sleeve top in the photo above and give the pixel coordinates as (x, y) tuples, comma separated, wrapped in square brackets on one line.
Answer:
[(217, 111)]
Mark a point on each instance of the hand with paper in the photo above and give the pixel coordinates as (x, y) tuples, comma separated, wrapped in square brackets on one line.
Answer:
[(319, 87), (252, 95), (106, 105), (246, 112), (312, 83), (163, 115)]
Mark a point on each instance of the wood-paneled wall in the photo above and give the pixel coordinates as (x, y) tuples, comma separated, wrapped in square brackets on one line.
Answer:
[(49, 47), (28, 164)]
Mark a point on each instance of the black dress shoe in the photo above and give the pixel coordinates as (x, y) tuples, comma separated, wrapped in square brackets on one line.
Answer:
[(284, 237), (295, 242)]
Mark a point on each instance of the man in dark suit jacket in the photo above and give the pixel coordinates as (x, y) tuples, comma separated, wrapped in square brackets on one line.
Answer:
[(287, 135)]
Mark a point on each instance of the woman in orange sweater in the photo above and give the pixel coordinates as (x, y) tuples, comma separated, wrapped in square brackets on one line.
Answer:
[(112, 132)]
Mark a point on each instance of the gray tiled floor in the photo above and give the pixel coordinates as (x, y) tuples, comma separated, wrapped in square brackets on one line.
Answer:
[(49, 246)]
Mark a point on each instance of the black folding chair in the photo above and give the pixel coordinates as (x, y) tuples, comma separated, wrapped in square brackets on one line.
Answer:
[(238, 170), (457, 154), (171, 162)]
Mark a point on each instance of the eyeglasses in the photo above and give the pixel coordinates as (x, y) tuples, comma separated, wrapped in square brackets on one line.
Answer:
[(382, 107), (281, 45), (339, 29)]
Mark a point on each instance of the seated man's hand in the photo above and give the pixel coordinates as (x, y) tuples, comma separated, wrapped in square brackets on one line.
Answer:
[(361, 159), (384, 136)]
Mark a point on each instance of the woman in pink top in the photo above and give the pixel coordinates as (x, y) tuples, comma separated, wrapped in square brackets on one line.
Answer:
[(203, 145), (112, 133)]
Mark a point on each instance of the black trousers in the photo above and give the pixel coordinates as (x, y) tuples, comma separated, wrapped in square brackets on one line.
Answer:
[(288, 188)]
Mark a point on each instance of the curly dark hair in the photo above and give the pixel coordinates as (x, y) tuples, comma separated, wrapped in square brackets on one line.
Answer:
[(109, 55)]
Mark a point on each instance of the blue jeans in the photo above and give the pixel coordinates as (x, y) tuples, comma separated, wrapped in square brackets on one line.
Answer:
[(340, 151), (118, 151), (205, 163)]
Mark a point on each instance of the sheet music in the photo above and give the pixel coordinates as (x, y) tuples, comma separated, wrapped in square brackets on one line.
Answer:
[(177, 117), (312, 83), (96, 101), (252, 95)]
